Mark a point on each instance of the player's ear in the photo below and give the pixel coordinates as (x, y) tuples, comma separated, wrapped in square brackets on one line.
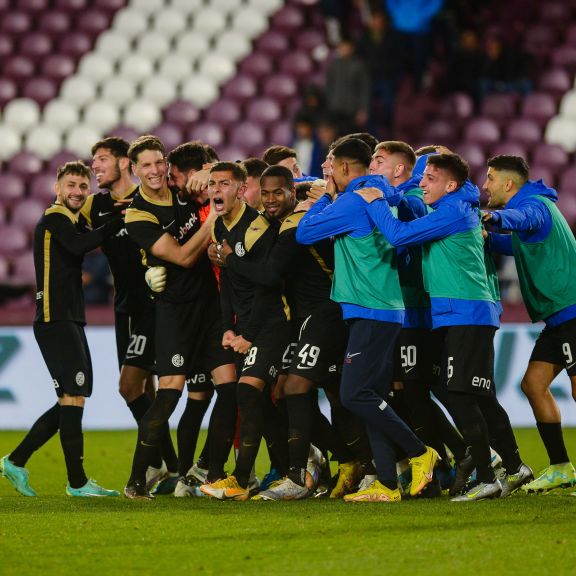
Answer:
[(123, 163)]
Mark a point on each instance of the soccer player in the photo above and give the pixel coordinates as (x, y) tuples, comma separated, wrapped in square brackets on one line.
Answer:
[(60, 242), (366, 285), (167, 228), (283, 156), (254, 168), (255, 322), (133, 306), (544, 250), (463, 311)]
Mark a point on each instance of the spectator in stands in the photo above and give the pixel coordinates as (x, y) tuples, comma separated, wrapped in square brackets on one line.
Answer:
[(466, 66), (348, 88), (306, 143)]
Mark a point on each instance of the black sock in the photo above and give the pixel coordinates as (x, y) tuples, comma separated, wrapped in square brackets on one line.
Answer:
[(221, 429), (475, 432), (502, 437), (167, 450), (551, 434), (300, 423), (188, 430), (204, 460), (251, 407), (151, 429), (447, 433), (139, 407), (42, 430), (353, 431), (326, 437), (275, 432), (72, 441)]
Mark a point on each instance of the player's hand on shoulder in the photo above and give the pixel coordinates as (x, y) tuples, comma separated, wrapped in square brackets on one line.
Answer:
[(156, 278), (304, 206), (370, 194)]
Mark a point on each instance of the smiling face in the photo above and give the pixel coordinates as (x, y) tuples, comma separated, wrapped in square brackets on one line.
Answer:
[(292, 165), (384, 164), (277, 198), (106, 168), (328, 165), (72, 191), (497, 185), (225, 193), (151, 169), (178, 179), (436, 183)]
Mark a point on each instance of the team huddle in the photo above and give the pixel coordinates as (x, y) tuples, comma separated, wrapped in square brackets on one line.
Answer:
[(253, 282)]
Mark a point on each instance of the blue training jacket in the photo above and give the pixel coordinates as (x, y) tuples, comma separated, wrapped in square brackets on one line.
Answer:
[(453, 213), (348, 215)]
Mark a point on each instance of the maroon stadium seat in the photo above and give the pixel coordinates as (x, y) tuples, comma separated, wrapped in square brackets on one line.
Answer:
[(550, 155), (42, 187), (263, 110), (565, 57), (540, 38), (309, 39), (171, 134), (27, 213), (299, 64), (232, 153), (208, 132), (2, 212), (58, 159), (6, 46), (4, 269), (281, 87), (441, 131), (35, 44), (71, 5), (544, 173), (33, 5), (15, 23), (23, 271), (126, 132), (182, 112), (457, 106), (25, 164), (12, 188), (539, 106), (570, 37), (42, 90), (241, 88), (93, 22), (248, 136), (109, 5), (257, 65), (568, 181), (14, 240), (557, 81), (500, 106), (224, 112), (524, 131), (472, 153), (274, 43), (54, 23), (8, 90), (19, 67), (289, 19), (281, 133), (482, 131), (567, 205), (57, 66), (75, 44)]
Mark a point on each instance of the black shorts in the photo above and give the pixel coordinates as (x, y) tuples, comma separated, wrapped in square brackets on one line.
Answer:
[(140, 351), (414, 355), (65, 350), (189, 337), (264, 359), (467, 361), (557, 345), (318, 345), (199, 382), (122, 329)]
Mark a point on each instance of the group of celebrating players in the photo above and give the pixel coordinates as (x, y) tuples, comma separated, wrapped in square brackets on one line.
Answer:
[(250, 280)]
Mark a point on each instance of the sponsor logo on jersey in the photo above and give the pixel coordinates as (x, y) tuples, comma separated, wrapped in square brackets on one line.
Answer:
[(479, 382), (183, 230)]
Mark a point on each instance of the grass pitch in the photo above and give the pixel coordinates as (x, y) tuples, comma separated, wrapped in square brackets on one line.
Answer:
[(56, 534)]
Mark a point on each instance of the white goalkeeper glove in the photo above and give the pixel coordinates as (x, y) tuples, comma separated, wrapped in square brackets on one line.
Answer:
[(156, 278)]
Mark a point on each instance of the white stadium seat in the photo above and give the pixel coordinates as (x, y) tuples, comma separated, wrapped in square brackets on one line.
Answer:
[(142, 115), (96, 66), (200, 90), (114, 44), (217, 66), (21, 113), (186, 6), (130, 22), (44, 141), (147, 6), (11, 142), (568, 104), (233, 44), (175, 66), (267, 6), (153, 44), (561, 130), (78, 90), (192, 44), (159, 90), (60, 114), (170, 22), (209, 21), (118, 90), (102, 115), (251, 22), (136, 67), (79, 140)]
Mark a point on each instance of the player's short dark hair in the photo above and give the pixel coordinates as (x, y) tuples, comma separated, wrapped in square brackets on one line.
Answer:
[(354, 149), (188, 156), (211, 154), (401, 148), (238, 171), (117, 146), (302, 189), (423, 150), (366, 137), (452, 163), (279, 172), (145, 142), (254, 166), (277, 153), (75, 168), (510, 163)]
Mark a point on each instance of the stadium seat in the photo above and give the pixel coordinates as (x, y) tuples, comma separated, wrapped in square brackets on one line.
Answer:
[(93, 22), (27, 213), (550, 155), (257, 65), (18, 67), (6, 47), (160, 91), (192, 44), (142, 115), (482, 131), (113, 44), (8, 91), (524, 131), (226, 5), (96, 66), (23, 271), (267, 6), (57, 160), (33, 5), (281, 87), (539, 106), (39, 89), (199, 90), (472, 153), (281, 133), (101, 115), (539, 38), (170, 22), (224, 112), (567, 183), (148, 6), (561, 130), (12, 189), (233, 45), (499, 106), (216, 67), (249, 136), (57, 66), (263, 111), (79, 140), (130, 22), (11, 141), (72, 5), (15, 23), (309, 40), (109, 5), (54, 22), (567, 205), (43, 141), (555, 12), (182, 113), (288, 18), (241, 87), (170, 134), (42, 186), (249, 21), (153, 44), (14, 240), (232, 153), (75, 44), (208, 132), (123, 131), (3, 216), (298, 65), (118, 90), (568, 104), (136, 67), (457, 106), (35, 44), (570, 36), (21, 113), (78, 90), (273, 42), (4, 264), (442, 131), (565, 57), (187, 6), (556, 81), (208, 21), (175, 66)]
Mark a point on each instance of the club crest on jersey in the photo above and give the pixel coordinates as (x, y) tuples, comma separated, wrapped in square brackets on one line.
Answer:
[(239, 249), (80, 379), (178, 360)]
